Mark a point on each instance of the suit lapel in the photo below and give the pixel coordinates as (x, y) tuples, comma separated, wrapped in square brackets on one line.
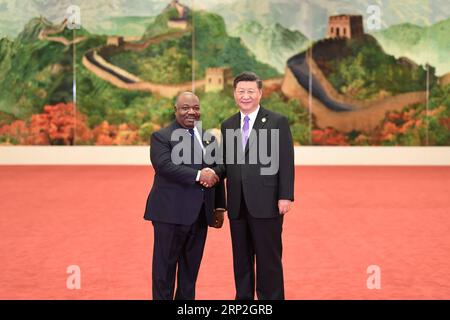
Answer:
[(197, 150), (237, 121), (237, 126)]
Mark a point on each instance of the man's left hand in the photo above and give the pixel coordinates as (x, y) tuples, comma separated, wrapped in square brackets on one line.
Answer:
[(218, 218), (284, 206)]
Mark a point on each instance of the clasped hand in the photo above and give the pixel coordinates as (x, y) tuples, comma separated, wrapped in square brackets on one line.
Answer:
[(208, 178)]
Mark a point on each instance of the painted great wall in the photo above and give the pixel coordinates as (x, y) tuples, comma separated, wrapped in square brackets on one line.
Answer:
[(303, 80), (95, 62), (332, 109), (125, 80), (46, 34)]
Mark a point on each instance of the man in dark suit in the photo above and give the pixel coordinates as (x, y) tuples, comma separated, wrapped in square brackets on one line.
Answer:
[(179, 204), (257, 198)]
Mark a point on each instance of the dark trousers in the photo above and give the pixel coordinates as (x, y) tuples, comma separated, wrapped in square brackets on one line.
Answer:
[(177, 246), (261, 239)]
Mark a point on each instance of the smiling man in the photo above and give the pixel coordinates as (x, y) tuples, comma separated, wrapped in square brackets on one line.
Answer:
[(179, 204), (257, 202)]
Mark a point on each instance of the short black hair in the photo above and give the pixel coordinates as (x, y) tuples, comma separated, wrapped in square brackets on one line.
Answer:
[(248, 76)]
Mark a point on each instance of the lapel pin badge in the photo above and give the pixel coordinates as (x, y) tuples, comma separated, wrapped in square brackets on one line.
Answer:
[(264, 120)]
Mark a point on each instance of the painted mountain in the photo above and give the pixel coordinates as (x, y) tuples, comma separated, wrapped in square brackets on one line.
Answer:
[(40, 67), (131, 58), (96, 16), (310, 16), (272, 44), (421, 44), (34, 72)]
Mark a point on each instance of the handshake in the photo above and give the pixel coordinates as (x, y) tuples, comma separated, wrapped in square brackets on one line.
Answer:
[(208, 178)]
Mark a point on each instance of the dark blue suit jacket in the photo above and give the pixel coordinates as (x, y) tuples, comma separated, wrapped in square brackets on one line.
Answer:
[(175, 196)]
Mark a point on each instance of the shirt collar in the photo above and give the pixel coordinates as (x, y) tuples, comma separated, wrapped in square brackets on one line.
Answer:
[(196, 133), (252, 115)]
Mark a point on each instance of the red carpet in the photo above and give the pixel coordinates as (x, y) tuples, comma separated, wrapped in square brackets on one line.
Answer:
[(344, 219)]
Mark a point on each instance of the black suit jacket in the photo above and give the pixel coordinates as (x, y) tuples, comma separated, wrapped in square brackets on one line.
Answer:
[(175, 196), (261, 192)]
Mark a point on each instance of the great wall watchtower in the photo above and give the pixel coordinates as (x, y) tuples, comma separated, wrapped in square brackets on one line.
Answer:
[(115, 41), (217, 78), (345, 26), (180, 22)]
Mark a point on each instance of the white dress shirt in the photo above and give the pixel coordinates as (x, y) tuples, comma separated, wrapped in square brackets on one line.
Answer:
[(251, 122), (199, 139)]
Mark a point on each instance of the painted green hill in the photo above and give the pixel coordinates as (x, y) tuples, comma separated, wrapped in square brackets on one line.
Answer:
[(173, 60), (361, 69), (124, 26), (34, 72), (159, 24), (272, 44), (37, 72), (421, 44), (214, 47)]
